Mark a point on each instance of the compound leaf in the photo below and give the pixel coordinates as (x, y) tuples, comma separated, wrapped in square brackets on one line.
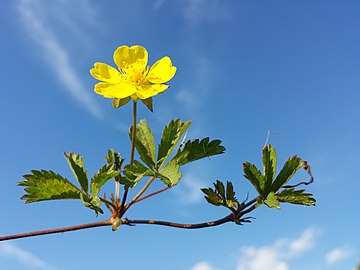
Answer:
[(47, 185)]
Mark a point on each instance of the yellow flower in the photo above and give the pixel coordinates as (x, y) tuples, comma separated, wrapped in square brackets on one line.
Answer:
[(133, 78)]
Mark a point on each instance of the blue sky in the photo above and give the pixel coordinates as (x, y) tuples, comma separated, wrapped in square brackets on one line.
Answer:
[(244, 68)]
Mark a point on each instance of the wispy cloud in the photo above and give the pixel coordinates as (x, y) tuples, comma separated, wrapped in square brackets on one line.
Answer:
[(202, 266), (10, 251), (277, 256), (37, 18), (191, 183), (337, 254)]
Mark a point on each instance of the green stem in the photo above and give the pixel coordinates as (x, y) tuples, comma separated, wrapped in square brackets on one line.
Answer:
[(132, 154)]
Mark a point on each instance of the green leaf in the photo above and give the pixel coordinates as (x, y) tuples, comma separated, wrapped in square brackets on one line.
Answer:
[(134, 173), (104, 174), (291, 166), (194, 150), (221, 196), (47, 185), (169, 174), (220, 188), (110, 157), (92, 202), (148, 103), (271, 201), (212, 197), (171, 135), (296, 197), (119, 102), (254, 176), (76, 163), (144, 143), (269, 160)]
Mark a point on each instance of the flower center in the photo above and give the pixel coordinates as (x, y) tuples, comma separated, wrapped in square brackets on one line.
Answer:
[(133, 75)]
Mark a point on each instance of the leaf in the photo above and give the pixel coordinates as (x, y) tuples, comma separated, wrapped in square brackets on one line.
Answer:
[(169, 174), (221, 196), (269, 160), (296, 197), (291, 166), (76, 163), (119, 102), (134, 173), (171, 135), (254, 176), (148, 103), (194, 150), (144, 143), (104, 174), (212, 197), (47, 185), (272, 201), (92, 202)]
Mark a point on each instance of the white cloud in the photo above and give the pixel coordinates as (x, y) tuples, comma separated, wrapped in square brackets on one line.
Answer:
[(277, 256), (190, 192), (202, 266), (10, 251), (337, 254), (37, 18)]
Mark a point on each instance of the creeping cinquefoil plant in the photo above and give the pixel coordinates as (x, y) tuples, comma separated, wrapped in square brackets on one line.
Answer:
[(148, 161)]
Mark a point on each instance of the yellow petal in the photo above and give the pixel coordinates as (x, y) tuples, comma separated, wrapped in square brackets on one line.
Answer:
[(120, 90), (106, 73), (135, 57), (162, 71), (149, 90)]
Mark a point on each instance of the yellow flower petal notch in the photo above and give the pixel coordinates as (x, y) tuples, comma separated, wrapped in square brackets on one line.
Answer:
[(133, 78)]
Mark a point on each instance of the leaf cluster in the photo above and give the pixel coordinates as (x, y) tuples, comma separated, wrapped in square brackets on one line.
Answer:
[(268, 184)]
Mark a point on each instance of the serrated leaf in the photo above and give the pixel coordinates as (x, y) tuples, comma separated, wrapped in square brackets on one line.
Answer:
[(119, 102), (254, 176), (194, 150), (144, 143), (271, 201), (169, 174), (104, 174), (171, 135), (134, 173), (76, 163), (47, 185), (110, 156), (291, 166), (148, 103), (296, 197), (269, 160), (212, 197)]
